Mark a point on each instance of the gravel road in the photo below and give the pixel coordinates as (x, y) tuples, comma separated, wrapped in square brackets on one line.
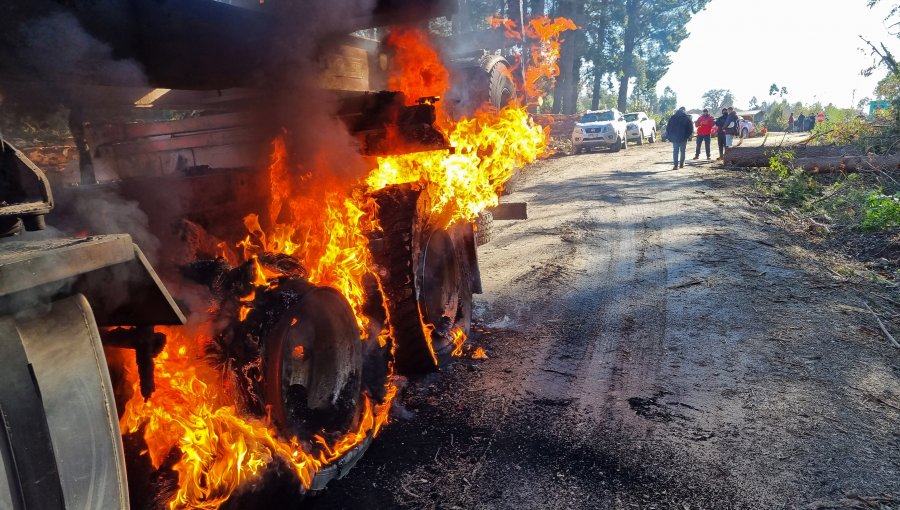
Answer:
[(654, 341)]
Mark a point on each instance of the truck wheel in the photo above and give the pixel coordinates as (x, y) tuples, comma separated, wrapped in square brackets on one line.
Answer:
[(652, 138), (625, 142), (744, 133), (484, 228), (617, 146), (313, 366), (502, 89), (641, 138), (421, 278)]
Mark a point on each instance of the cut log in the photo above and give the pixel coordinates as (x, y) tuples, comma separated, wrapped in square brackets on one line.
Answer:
[(759, 156), (848, 163)]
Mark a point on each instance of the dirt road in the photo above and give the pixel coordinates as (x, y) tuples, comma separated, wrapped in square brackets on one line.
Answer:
[(654, 341)]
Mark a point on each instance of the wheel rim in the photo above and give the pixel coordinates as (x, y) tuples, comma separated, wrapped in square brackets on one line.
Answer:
[(313, 365), (439, 296)]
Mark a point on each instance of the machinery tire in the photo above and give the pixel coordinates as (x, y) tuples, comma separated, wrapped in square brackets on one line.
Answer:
[(484, 228), (502, 88), (425, 279)]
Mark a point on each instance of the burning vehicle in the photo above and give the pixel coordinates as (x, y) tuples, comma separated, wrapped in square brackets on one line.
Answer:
[(232, 287)]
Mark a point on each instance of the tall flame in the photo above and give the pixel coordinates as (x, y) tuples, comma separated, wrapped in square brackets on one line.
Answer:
[(323, 223), (543, 34)]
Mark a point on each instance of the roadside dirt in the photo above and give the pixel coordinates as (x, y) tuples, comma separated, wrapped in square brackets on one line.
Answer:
[(654, 341)]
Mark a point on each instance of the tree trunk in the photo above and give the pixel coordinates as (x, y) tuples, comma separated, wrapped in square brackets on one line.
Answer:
[(629, 39), (759, 156), (566, 59), (598, 84), (826, 165), (579, 43), (598, 56)]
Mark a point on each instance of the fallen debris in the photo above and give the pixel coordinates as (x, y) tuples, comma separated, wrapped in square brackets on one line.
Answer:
[(883, 328)]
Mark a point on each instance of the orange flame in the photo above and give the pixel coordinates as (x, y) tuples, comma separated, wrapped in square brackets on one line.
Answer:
[(459, 339), (416, 68), (479, 353), (544, 36), (487, 150), (221, 450)]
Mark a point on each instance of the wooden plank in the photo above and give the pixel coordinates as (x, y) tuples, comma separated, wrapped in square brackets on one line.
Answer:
[(510, 211)]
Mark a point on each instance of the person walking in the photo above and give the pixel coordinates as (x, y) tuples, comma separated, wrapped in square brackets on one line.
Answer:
[(801, 122), (720, 131), (678, 130), (732, 126), (791, 123), (704, 127)]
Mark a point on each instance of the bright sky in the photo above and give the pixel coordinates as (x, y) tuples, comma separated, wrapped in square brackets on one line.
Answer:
[(822, 63)]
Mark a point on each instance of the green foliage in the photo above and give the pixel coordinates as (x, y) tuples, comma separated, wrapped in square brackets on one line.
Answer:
[(716, 99), (775, 119), (882, 212), (791, 186), (851, 202)]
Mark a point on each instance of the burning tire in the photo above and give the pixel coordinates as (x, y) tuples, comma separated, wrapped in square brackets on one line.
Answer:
[(484, 228), (502, 89), (426, 278), (313, 366)]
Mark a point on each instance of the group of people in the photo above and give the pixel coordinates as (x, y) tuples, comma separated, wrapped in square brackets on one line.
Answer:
[(801, 123), (681, 127)]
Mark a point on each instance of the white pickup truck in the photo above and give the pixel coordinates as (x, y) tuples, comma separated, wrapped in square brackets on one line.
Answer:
[(640, 126)]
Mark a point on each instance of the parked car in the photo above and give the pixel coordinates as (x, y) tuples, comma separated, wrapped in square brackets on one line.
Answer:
[(600, 128), (747, 129), (640, 126)]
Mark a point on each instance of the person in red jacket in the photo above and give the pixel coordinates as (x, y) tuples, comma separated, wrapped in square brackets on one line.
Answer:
[(704, 127)]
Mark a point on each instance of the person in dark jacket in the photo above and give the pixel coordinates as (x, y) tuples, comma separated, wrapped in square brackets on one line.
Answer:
[(720, 134), (801, 123), (704, 127), (678, 130), (732, 126), (791, 123)]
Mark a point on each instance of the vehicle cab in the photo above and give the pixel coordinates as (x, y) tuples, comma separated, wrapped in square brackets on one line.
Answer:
[(600, 128)]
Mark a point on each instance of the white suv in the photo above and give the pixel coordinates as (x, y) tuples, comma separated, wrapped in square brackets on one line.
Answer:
[(640, 126), (600, 128)]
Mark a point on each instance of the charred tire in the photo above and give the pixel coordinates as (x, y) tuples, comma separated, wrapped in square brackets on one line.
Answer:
[(502, 89), (484, 228), (313, 366), (422, 279)]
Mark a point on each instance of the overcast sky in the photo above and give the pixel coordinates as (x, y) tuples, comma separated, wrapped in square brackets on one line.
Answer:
[(745, 46)]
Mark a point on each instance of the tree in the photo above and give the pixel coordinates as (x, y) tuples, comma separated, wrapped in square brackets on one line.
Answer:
[(668, 101), (565, 95), (754, 103), (653, 29), (716, 99)]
